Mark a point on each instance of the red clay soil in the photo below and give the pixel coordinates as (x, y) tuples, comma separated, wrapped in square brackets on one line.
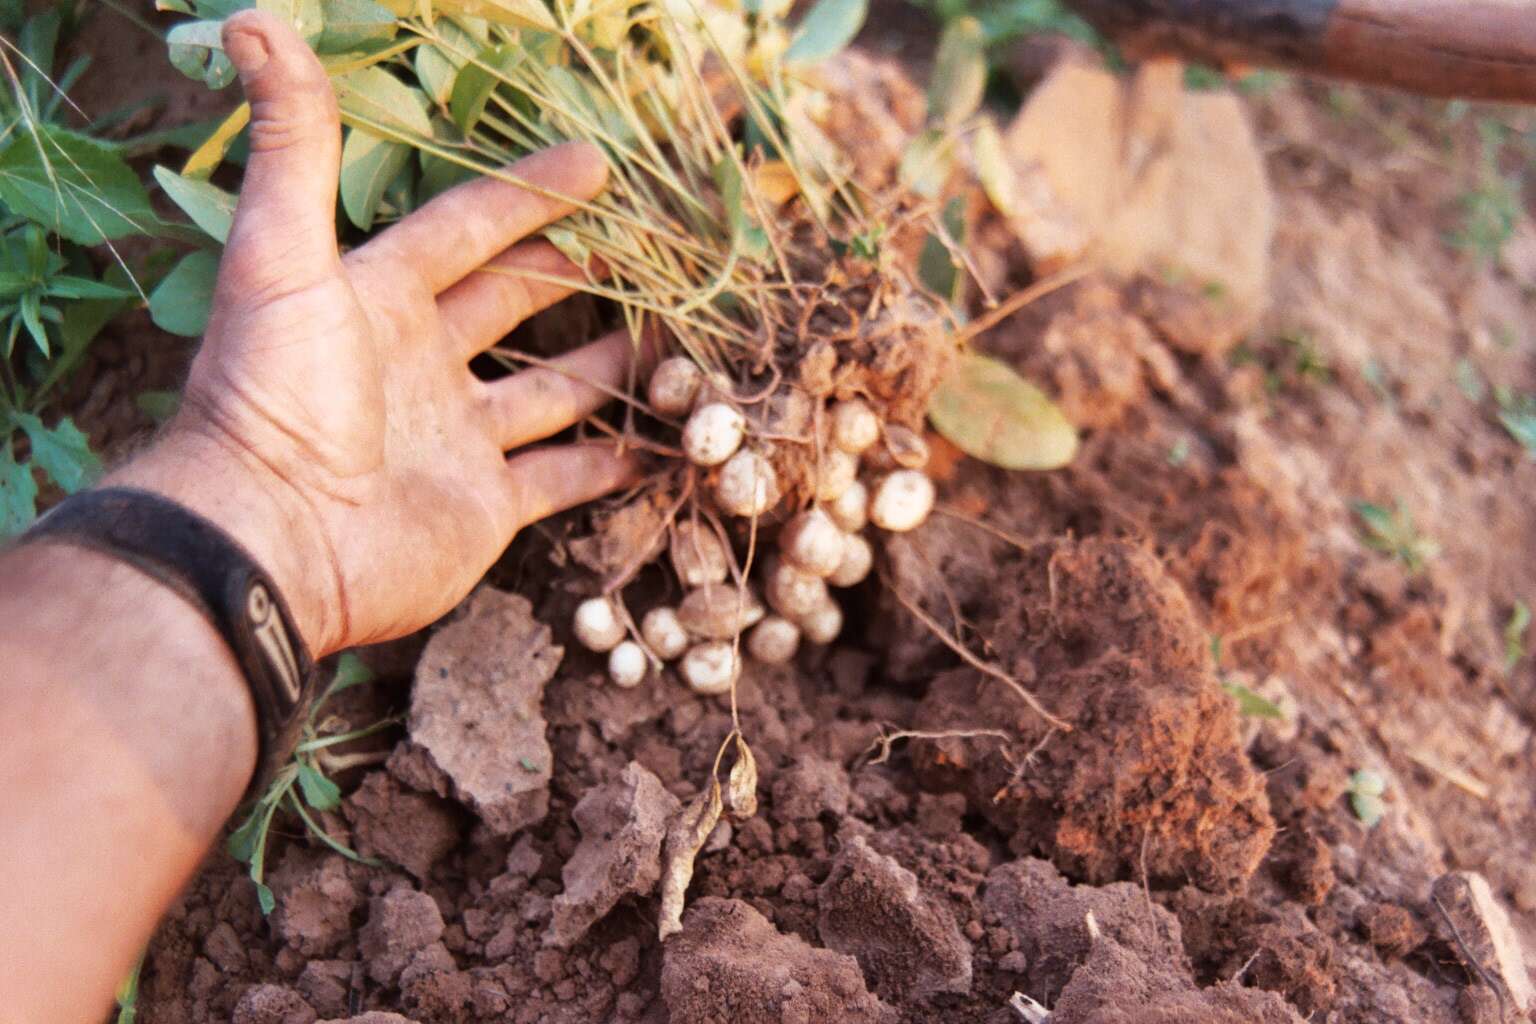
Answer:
[(1164, 860)]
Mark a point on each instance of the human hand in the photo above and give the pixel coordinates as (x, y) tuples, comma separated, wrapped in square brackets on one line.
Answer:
[(331, 423)]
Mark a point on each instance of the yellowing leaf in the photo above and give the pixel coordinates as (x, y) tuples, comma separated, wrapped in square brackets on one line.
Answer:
[(988, 411), (996, 174), (776, 182), (959, 72), (207, 157)]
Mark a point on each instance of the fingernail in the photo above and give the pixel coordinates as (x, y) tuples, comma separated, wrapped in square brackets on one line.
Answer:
[(246, 48)]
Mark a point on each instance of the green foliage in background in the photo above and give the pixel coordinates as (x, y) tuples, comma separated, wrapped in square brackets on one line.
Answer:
[(61, 191), (1391, 531)]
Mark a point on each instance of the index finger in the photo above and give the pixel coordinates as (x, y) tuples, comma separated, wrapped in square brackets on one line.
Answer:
[(468, 225)]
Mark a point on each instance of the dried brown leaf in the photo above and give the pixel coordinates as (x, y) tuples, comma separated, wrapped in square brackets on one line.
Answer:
[(741, 787), (685, 836)]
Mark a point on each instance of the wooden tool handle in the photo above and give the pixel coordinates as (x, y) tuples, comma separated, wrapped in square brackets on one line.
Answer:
[(1476, 49)]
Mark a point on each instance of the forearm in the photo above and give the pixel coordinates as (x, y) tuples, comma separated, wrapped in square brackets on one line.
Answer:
[(129, 739)]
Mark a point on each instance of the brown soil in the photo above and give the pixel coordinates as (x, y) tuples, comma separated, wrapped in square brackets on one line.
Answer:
[(1165, 859)]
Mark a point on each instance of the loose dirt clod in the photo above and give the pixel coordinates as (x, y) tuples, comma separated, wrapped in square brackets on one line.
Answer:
[(1119, 985), (315, 901), (906, 943), (476, 708), (413, 830), (272, 1004), (1153, 776), (1045, 914), (622, 827), (730, 964), (400, 924), (1478, 929)]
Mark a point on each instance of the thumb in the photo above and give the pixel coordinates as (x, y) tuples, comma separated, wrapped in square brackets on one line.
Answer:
[(285, 223)]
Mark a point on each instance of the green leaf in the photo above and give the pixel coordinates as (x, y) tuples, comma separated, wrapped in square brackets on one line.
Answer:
[(209, 207), (959, 73), (350, 671), (826, 29), (68, 287), (1514, 635), (304, 15), (180, 302), (1251, 705), (355, 25), (988, 411), (264, 898), (243, 841), (1368, 782), (476, 81), (936, 267), (319, 792), (746, 237), (439, 175), (368, 165), (196, 50), (72, 185), (1521, 424), (378, 99), (62, 452), (1368, 808), (18, 494)]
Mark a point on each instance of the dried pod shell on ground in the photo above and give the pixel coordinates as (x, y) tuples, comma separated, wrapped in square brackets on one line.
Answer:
[(698, 555), (906, 447), (719, 611), (711, 668)]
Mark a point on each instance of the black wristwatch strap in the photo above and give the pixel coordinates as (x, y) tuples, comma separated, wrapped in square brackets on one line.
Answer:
[(217, 576)]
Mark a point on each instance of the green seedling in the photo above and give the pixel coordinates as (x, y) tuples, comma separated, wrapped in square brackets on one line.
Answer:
[(304, 784), (1514, 635), (128, 995), (1365, 796), (1518, 414), (1391, 531), (1492, 207)]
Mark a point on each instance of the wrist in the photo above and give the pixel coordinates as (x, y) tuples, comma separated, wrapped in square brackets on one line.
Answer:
[(263, 513)]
